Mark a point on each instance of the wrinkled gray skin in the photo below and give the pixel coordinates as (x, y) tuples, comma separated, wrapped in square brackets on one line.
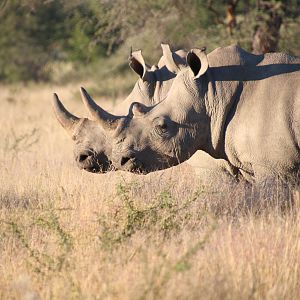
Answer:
[(92, 148), (238, 107)]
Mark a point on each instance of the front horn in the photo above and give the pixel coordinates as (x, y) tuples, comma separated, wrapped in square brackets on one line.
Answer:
[(107, 120), (65, 118)]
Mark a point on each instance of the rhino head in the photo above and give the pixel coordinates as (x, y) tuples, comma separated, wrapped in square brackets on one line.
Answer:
[(92, 148), (156, 137)]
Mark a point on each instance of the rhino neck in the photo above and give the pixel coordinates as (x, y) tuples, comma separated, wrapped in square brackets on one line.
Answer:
[(185, 107), (148, 92), (162, 84), (221, 98)]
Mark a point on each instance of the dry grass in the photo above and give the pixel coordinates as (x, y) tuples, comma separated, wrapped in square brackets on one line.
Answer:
[(67, 234)]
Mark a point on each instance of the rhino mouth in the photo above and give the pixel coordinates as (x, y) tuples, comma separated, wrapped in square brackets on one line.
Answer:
[(133, 165), (98, 168), (136, 166)]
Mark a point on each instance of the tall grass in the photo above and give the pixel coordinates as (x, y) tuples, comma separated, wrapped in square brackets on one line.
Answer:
[(68, 234)]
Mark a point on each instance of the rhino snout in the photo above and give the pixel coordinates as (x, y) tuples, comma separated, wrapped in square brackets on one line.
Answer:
[(130, 163), (92, 161), (125, 159), (83, 157)]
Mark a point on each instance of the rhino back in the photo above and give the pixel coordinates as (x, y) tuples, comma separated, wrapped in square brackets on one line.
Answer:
[(235, 56)]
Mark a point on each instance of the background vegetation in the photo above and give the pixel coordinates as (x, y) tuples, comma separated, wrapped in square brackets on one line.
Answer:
[(58, 40)]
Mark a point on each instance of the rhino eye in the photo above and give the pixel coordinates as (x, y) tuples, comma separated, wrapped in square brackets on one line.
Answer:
[(161, 128), (161, 125)]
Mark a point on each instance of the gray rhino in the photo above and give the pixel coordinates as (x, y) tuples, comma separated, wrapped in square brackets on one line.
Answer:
[(238, 107), (92, 149)]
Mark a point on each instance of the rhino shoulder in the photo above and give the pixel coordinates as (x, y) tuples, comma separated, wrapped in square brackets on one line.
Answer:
[(232, 55)]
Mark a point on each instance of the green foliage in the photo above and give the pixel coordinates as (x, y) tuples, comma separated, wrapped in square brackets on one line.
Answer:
[(36, 35), (165, 216), (42, 261), (28, 32)]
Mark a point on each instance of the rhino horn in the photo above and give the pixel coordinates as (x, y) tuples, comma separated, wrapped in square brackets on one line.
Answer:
[(107, 120), (65, 118)]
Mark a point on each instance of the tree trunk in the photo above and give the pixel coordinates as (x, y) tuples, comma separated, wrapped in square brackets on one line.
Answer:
[(267, 34)]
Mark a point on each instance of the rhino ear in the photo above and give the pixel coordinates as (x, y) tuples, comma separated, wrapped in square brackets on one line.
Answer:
[(173, 61), (137, 64), (197, 61), (138, 109)]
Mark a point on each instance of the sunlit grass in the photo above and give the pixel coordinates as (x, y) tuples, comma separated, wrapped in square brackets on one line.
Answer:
[(68, 234)]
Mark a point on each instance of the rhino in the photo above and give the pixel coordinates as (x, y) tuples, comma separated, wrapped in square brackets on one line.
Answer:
[(240, 108), (92, 149)]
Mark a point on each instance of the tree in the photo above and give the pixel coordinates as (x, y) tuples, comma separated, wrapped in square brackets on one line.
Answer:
[(266, 18)]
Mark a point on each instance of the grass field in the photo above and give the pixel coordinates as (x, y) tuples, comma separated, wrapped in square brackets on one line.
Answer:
[(68, 234)]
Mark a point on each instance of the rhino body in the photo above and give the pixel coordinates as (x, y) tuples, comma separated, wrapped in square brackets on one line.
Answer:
[(240, 108)]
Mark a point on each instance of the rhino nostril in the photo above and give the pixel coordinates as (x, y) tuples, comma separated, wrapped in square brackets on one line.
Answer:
[(83, 157), (124, 160)]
